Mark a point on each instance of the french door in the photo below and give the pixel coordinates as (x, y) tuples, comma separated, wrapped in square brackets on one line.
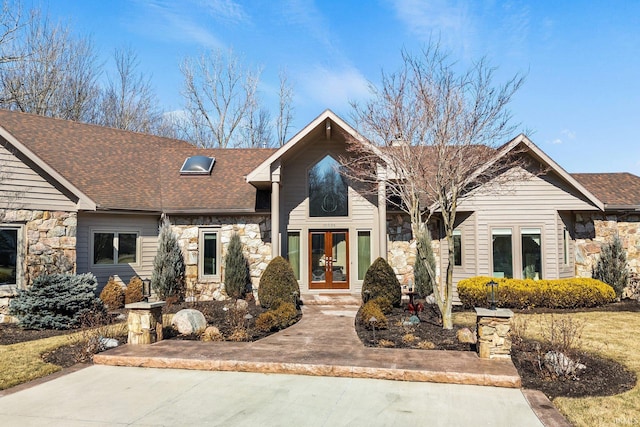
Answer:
[(329, 259)]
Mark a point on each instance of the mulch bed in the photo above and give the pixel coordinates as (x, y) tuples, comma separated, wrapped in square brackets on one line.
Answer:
[(603, 377)]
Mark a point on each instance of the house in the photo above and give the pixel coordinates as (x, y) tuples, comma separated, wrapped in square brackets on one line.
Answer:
[(83, 198)]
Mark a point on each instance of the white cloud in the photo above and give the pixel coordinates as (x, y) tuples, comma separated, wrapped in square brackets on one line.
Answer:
[(227, 10), (566, 135)]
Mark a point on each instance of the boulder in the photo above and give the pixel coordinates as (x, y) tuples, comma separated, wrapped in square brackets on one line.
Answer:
[(107, 343), (189, 321), (465, 336), (431, 299), (242, 305), (561, 365)]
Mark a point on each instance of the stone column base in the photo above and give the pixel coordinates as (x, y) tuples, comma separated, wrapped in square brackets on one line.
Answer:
[(144, 322), (493, 328)]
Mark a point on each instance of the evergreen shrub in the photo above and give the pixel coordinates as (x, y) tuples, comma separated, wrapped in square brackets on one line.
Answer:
[(282, 317), (372, 310), (57, 301), (133, 293), (278, 283), (381, 281), (611, 267), (168, 276), (112, 295), (236, 269), (528, 293), (384, 304)]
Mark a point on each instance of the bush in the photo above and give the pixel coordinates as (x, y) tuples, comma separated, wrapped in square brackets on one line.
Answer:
[(282, 317), (278, 283), (236, 269), (384, 304), (112, 295), (168, 277), (57, 301), (421, 276), (528, 293), (381, 281), (370, 310), (133, 293), (611, 267)]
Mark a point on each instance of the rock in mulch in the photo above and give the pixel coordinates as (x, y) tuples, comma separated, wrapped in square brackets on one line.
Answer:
[(189, 321), (465, 336)]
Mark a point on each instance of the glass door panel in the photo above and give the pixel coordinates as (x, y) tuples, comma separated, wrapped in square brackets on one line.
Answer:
[(340, 266), (318, 264)]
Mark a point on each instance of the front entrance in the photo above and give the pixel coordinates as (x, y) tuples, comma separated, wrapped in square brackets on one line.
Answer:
[(329, 259)]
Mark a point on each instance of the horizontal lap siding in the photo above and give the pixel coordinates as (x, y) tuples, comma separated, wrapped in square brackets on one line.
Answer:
[(146, 225), (24, 188)]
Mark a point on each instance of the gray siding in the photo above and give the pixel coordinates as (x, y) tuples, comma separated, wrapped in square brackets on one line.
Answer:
[(145, 225), (24, 188)]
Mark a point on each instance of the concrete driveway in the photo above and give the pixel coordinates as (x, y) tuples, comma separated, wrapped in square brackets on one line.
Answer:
[(125, 396)]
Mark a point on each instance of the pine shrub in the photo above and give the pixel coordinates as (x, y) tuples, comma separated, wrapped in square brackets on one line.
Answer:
[(57, 301), (168, 277), (112, 295), (421, 276), (611, 267), (133, 293), (384, 304), (236, 269), (381, 281), (282, 317), (278, 283)]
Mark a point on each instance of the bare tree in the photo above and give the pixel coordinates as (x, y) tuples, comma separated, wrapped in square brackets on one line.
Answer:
[(285, 108), (10, 24), (128, 102), (435, 132), (220, 94), (54, 74)]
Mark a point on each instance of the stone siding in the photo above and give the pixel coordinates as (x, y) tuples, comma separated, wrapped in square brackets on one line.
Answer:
[(253, 232), (592, 230), (47, 245), (402, 250)]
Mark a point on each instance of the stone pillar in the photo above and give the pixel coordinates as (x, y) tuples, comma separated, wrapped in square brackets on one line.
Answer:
[(144, 322), (493, 328), (275, 213)]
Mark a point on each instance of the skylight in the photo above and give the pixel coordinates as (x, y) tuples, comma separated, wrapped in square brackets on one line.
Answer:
[(197, 165)]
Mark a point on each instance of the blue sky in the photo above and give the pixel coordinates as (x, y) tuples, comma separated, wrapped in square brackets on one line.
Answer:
[(580, 102)]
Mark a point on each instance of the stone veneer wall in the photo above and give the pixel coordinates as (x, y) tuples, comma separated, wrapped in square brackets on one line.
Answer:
[(402, 250), (592, 230), (48, 245), (253, 232)]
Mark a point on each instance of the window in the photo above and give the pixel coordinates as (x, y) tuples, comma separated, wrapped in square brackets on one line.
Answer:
[(115, 248), (565, 246), (327, 189), (457, 248), (364, 253), (8, 256), (293, 252), (197, 165), (531, 253), (502, 252), (209, 253)]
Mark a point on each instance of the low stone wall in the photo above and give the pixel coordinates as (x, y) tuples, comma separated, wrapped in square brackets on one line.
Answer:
[(253, 231), (592, 230)]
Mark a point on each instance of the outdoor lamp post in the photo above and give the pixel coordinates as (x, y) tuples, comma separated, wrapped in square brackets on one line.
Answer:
[(492, 290), (146, 290)]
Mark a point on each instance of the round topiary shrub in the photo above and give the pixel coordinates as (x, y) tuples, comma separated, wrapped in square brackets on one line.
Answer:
[(112, 295), (133, 293), (278, 283), (381, 281), (57, 301)]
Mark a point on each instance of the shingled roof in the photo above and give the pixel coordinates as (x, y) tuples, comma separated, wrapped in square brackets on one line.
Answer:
[(121, 170), (615, 190)]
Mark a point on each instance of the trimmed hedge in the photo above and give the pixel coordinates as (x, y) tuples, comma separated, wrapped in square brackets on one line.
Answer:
[(112, 295), (528, 293), (277, 284), (381, 281)]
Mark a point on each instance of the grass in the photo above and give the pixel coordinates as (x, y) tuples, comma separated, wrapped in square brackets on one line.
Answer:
[(22, 362)]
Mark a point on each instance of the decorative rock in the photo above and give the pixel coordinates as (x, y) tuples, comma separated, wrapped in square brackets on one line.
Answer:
[(559, 364), (431, 299), (189, 321), (108, 343), (412, 321), (242, 305), (465, 335), (5, 318)]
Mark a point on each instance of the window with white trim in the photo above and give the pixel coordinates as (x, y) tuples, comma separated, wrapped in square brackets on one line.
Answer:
[(457, 248), (9, 255), (502, 248), (115, 247), (209, 254), (531, 239)]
